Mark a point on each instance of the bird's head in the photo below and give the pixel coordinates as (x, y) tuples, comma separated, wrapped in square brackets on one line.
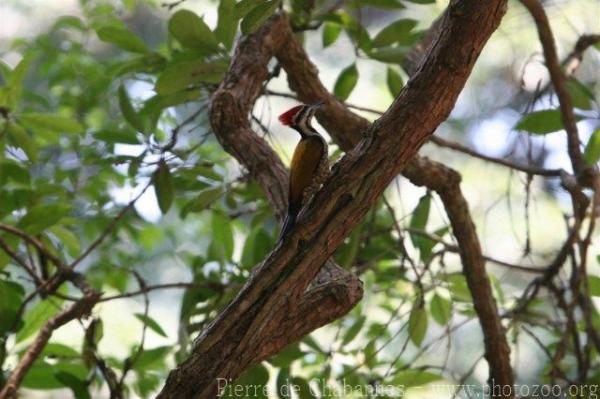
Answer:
[(299, 117)]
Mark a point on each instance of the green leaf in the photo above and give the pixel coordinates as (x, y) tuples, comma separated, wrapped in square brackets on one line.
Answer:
[(12, 170), (42, 216), (222, 236), (541, 122), (14, 84), (594, 285), (227, 24), (396, 32), (282, 384), (150, 63), (390, 55), (152, 359), (192, 32), (356, 32), (128, 111), (50, 123), (191, 297), (153, 107), (146, 384), (122, 38), (591, 155), (115, 135), (36, 317), (257, 16), (331, 32), (43, 375), (458, 287), (180, 75), (56, 350), (11, 297), (417, 324), (242, 8), (353, 330), (581, 95), (151, 323), (68, 239), (7, 99), (422, 1), (93, 335), (256, 377), (426, 244), (441, 309), (208, 172), (163, 186), (286, 356), (418, 221), (69, 22), (303, 389), (78, 386), (23, 140), (257, 245), (394, 82), (414, 378), (346, 82), (347, 253), (359, 35), (18, 74), (312, 343), (202, 201), (370, 353)]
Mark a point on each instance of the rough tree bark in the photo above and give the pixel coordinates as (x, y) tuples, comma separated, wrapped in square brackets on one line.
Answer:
[(242, 334)]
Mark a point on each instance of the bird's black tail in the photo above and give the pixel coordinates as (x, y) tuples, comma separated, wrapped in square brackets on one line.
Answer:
[(288, 223)]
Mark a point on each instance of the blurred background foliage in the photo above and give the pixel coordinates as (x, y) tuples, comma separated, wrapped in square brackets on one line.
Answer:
[(103, 106)]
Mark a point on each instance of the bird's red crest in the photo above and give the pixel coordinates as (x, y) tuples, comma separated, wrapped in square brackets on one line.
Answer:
[(287, 118)]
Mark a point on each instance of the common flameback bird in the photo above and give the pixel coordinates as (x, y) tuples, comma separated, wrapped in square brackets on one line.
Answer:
[(309, 164)]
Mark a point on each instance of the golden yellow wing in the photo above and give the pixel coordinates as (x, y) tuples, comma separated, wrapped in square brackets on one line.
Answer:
[(305, 162)]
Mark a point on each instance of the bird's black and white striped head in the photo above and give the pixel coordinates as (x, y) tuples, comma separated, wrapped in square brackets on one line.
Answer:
[(299, 118)]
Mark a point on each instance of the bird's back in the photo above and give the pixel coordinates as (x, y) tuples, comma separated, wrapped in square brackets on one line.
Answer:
[(305, 163)]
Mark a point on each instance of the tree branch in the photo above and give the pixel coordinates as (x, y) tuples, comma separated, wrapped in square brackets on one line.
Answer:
[(80, 308), (558, 79), (529, 169)]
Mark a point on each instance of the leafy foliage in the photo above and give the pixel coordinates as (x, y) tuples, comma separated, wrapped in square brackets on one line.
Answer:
[(346, 82)]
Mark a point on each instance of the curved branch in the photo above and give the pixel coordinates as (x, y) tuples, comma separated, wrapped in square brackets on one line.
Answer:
[(338, 290)]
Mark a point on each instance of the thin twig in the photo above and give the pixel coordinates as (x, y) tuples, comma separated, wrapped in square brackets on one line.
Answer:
[(454, 248), (500, 161), (33, 241), (148, 288), (21, 262), (108, 228), (175, 131)]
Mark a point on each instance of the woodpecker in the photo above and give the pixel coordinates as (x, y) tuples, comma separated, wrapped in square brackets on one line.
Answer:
[(309, 164)]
